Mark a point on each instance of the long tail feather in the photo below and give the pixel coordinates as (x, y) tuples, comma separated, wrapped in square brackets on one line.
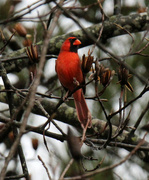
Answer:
[(83, 112)]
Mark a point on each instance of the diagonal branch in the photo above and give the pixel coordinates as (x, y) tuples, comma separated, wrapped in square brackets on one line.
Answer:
[(132, 23), (68, 115)]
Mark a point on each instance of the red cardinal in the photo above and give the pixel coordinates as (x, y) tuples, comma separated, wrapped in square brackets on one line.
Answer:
[(68, 68)]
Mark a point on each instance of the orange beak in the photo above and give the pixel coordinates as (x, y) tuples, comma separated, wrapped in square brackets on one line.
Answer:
[(77, 42)]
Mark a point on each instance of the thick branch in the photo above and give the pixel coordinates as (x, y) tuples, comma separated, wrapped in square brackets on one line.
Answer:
[(68, 115), (132, 23)]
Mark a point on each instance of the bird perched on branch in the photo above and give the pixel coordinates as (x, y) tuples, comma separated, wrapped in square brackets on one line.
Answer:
[(68, 68)]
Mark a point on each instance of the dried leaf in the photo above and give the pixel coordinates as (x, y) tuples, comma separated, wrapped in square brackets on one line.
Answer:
[(35, 143), (20, 29), (74, 144), (87, 63), (123, 76)]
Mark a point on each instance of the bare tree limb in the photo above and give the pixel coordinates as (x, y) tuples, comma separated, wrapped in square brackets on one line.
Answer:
[(68, 115), (132, 23)]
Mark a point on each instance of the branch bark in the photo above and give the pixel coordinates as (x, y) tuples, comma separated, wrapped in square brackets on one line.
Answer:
[(132, 23), (68, 115)]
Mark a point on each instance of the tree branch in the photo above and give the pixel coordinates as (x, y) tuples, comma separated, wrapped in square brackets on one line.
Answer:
[(132, 23), (68, 115)]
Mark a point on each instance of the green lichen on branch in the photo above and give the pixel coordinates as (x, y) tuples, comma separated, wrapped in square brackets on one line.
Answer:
[(68, 116), (132, 23)]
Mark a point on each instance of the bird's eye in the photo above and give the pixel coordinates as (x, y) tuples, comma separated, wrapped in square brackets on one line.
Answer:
[(72, 41)]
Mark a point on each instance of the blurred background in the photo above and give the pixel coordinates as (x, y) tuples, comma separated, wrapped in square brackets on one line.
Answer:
[(35, 14)]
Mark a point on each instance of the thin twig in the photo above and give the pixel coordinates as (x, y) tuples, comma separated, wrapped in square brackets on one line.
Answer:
[(146, 89), (140, 118), (18, 17), (12, 114), (15, 177), (89, 174), (117, 59), (66, 169), (40, 159)]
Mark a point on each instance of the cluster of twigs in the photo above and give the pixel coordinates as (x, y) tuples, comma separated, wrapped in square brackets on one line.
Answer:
[(100, 76)]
